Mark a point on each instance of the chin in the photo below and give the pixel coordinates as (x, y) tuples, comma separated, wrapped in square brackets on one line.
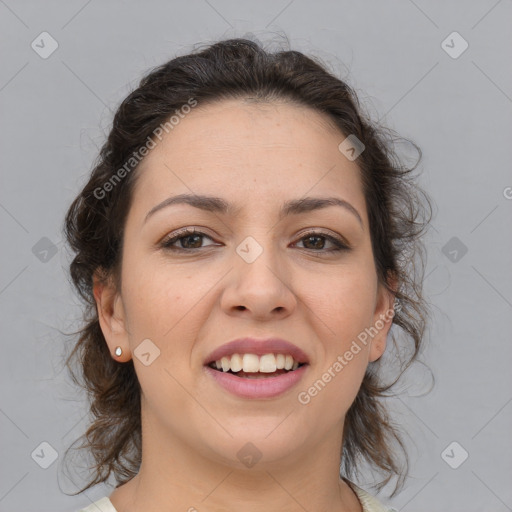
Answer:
[(261, 445)]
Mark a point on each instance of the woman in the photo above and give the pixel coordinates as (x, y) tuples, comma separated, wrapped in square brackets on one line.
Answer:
[(242, 244)]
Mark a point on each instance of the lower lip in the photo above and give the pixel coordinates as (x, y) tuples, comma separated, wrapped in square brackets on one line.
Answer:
[(265, 387)]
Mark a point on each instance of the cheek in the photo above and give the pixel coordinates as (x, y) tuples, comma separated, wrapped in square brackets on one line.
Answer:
[(166, 305), (343, 310), (154, 292), (344, 301), (325, 400)]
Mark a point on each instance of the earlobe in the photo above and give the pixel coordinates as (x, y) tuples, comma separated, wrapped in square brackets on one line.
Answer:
[(382, 320), (111, 317), (376, 350)]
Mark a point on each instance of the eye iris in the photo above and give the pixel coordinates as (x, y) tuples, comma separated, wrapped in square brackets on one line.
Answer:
[(317, 237), (188, 237)]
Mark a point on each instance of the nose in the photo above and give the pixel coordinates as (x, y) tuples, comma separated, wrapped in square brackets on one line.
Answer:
[(260, 287)]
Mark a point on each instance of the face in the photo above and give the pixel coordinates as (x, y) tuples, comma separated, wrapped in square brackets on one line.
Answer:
[(307, 277)]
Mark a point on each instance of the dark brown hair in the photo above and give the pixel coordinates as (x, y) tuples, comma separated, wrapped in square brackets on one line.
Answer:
[(241, 68)]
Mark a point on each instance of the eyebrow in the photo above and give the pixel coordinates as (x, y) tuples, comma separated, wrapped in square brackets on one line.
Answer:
[(221, 206)]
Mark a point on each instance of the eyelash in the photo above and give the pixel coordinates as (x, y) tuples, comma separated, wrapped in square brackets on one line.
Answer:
[(167, 243)]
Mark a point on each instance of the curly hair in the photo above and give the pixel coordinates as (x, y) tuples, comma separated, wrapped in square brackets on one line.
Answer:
[(397, 211)]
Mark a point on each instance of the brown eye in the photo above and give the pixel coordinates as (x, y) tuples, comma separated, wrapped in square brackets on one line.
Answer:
[(189, 240), (315, 241)]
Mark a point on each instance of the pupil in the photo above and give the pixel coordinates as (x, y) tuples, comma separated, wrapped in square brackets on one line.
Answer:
[(188, 237), (318, 238)]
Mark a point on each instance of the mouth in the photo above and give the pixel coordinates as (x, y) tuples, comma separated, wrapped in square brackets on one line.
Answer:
[(256, 385), (257, 369), (253, 366)]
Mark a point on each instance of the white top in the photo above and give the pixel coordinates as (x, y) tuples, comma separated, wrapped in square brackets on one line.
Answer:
[(103, 505), (368, 502)]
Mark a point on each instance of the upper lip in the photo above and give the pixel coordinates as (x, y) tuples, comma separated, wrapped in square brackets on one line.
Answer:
[(258, 347)]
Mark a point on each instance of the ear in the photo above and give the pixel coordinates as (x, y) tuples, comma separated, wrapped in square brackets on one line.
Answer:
[(382, 318), (111, 316)]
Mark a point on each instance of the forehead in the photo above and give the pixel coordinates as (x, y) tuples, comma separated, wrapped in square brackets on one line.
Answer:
[(250, 153)]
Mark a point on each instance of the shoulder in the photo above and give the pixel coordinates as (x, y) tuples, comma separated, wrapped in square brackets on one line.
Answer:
[(102, 505), (369, 502)]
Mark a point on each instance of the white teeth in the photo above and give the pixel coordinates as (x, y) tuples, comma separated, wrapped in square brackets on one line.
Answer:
[(268, 363), (236, 363), (251, 363)]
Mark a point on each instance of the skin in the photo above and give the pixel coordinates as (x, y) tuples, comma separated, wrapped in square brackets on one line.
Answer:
[(187, 304)]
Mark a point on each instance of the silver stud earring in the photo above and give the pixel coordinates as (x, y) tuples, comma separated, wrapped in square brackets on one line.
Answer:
[(119, 351)]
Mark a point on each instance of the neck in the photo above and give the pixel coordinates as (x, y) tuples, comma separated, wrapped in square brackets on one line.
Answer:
[(176, 477)]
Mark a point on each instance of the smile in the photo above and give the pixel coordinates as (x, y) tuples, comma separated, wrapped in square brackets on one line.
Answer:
[(254, 366), (256, 377)]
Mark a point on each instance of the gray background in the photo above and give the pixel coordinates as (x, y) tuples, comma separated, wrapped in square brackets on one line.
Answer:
[(56, 111)]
